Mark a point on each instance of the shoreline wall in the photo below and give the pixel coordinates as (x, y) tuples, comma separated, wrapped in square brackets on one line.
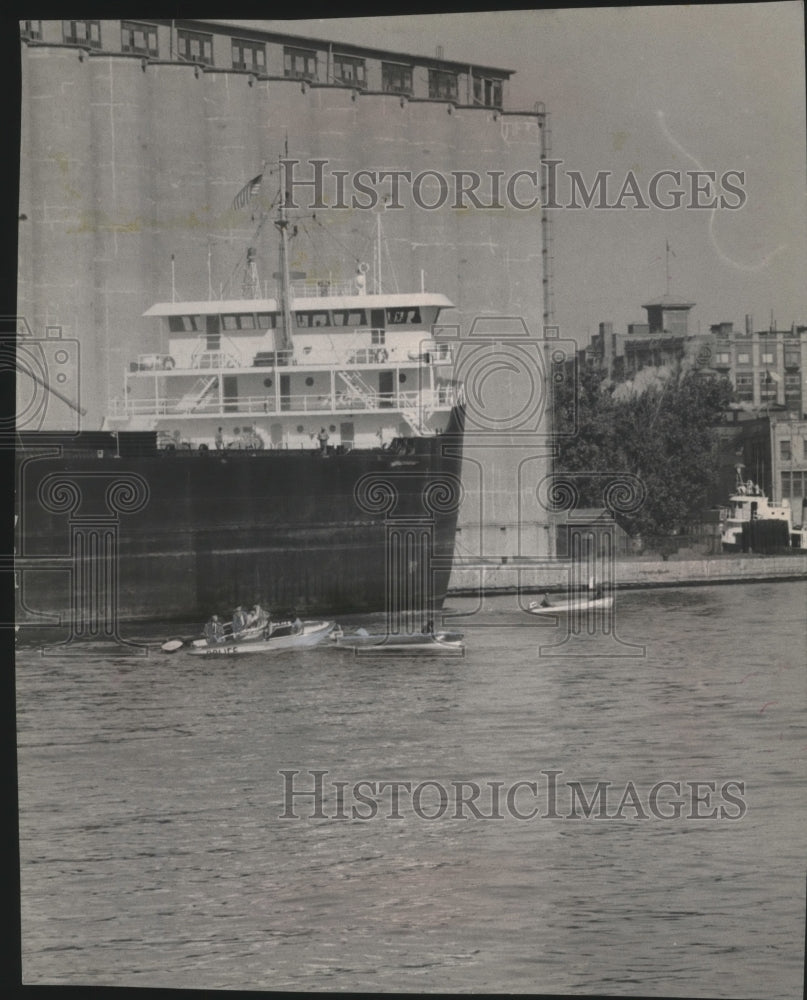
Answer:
[(469, 577)]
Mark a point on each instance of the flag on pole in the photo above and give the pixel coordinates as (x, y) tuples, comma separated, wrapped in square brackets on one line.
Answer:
[(772, 376), (248, 192)]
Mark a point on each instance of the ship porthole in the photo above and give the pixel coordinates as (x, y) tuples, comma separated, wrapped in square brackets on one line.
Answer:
[(268, 383), (402, 377), (332, 428), (309, 381)]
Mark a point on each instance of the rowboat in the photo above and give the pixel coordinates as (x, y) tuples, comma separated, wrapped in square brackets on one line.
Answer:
[(569, 605), (302, 635), (415, 644)]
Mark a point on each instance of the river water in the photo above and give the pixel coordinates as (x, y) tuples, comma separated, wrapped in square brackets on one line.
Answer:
[(155, 850)]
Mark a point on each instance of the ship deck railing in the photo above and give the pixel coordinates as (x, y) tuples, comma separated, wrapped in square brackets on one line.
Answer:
[(322, 288), (424, 353), (428, 401)]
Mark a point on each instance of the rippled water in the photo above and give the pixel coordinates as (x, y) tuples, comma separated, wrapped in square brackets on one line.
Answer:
[(154, 853)]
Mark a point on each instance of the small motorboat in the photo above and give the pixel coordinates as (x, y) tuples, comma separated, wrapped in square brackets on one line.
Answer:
[(413, 644), (283, 635), (564, 606)]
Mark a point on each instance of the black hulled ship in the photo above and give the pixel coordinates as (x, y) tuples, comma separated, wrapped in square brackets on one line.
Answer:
[(302, 450)]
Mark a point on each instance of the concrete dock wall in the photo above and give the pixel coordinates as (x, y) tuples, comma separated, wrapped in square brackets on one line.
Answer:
[(552, 575)]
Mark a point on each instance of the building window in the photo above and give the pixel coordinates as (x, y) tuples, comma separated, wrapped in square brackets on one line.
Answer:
[(767, 358), (723, 358), (194, 46), (31, 29), (785, 451), (743, 359), (793, 488), (299, 64), (744, 385), (396, 79), (792, 357), (767, 388), (487, 92), (82, 33), (442, 85), (139, 38), (793, 392), (249, 55), (349, 69)]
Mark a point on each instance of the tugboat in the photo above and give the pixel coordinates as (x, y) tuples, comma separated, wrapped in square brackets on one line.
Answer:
[(302, 449), (753, 523)]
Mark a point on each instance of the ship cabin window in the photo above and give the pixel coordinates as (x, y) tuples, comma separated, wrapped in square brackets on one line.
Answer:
[(299, 64), (185, 324), (487, 92), (378, 338), (267, 321), (398, 317), (139, 38), (238, 321), (349, 317), (442, 85), (31, 29), (396, 78), (349, 69), (82, 33), (785, 451), (308, 320), (249, 55), (194, 46)]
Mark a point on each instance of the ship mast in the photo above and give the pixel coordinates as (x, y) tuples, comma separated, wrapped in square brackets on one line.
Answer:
[(284, 283)]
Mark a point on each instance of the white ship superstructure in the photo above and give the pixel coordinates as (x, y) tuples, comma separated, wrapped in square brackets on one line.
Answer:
[(365, 367)]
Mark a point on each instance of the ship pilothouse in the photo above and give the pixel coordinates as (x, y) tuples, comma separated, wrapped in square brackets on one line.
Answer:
[(362, 366)]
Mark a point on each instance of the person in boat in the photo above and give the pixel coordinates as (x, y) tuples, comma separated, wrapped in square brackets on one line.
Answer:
[(323, 438), (239, 620), (545, 602), (428, 628), (214, 631), (597, 593), (219, 439), (257, 618)]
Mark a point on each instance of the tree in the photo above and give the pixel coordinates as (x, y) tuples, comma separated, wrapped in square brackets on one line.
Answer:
[(661, 431)]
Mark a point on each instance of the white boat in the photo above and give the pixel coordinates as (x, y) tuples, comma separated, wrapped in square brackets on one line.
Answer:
[(429, 643), (570, 604), (303, 636), (749, 509)]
